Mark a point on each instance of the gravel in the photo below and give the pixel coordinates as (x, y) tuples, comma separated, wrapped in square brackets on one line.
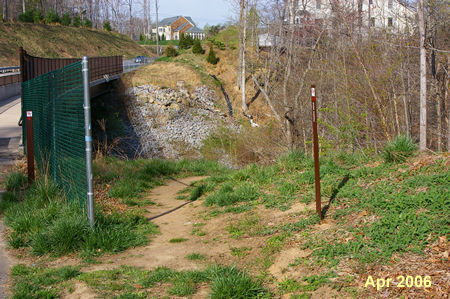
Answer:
[(173, 123)]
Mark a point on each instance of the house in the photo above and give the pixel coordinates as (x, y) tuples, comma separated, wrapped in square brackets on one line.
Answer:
[(172, 28), (395, 15)]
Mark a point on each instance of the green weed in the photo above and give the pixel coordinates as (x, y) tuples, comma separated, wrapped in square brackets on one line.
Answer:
[(195, 257), (178, 240)]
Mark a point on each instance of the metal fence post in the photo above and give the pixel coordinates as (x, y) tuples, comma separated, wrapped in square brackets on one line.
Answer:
[(316, 152), (30, 146), (88, 138)]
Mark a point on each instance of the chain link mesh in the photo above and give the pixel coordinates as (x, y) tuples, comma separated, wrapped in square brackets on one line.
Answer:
[(56, 100)]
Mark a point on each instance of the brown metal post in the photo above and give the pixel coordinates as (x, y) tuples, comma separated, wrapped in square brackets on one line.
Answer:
[(30, 147), (316, 151)]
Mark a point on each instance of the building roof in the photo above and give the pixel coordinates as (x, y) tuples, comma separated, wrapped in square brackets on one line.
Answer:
[(168, 21), (181, 27), (194, 29), (171, 20)]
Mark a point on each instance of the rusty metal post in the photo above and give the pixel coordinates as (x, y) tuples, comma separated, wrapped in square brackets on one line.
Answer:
[(30, 147), (316, 151)]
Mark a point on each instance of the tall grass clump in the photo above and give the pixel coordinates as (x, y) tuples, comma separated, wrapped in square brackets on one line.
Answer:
[(229, 282), (47, 223), (15, 181), (399, 149)]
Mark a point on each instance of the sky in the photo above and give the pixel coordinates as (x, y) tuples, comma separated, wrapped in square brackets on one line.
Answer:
[(203, 12)]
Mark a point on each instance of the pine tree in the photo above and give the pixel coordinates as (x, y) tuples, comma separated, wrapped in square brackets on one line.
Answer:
[(197, 48), (211, 58)]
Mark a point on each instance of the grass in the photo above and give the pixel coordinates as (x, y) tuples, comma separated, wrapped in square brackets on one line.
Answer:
[(129, 179), (178, 240), (15, 181), (46, 223), (408, 208), (225, 282), (37, 282), (195, 257), (62, 41), (399, 149)]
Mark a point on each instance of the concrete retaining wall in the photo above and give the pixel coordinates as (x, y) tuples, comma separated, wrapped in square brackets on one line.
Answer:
[(8, 91)]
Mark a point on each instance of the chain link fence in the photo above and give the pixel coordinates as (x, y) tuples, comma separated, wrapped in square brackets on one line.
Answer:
[(56, 100)]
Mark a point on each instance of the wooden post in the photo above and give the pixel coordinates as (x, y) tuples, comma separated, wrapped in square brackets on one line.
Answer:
[(30, 147), (316, 151)]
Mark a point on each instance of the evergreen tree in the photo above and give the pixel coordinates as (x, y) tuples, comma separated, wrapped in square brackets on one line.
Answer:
[(51, 16), (107, 26), (76, 21), (66, 20), (197, 48), (211, 58)]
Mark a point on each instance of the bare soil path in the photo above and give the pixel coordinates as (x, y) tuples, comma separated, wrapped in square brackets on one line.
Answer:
[(177, 224)]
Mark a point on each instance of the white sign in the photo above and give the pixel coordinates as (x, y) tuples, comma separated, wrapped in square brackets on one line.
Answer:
[(313, 92), (29, 113)]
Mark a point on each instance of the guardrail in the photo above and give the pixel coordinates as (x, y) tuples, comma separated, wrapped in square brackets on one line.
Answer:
[(9, 79), (9, 69)]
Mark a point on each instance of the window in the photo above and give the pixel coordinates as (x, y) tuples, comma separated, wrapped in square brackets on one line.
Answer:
[(318, 4), (370, 2), (372, 22), (390, 22), (390, 4)]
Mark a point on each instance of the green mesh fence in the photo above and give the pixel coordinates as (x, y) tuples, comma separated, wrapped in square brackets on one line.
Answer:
[(56, 100)]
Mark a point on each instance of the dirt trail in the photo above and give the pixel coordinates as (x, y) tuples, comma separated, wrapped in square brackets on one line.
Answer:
[(177, 224)]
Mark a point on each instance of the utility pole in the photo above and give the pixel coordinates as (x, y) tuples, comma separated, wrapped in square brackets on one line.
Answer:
[(423, 78)]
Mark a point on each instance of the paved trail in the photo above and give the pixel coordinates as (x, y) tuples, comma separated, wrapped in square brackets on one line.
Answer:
[(10, 136)]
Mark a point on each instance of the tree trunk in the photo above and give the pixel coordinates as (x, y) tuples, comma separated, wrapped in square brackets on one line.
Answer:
[(5, 10), (157, 28), (243, 45), (423, 78)]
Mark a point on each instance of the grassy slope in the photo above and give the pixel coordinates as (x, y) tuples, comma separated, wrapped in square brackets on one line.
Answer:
[(385, 219), (61, 41)]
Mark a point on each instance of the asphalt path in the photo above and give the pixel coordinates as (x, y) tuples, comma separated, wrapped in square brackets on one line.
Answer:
[(10, 138)]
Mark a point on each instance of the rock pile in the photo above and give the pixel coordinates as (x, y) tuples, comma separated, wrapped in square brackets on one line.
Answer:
[(172, 123)]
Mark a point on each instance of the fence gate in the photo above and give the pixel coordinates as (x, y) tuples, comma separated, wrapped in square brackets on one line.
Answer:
[(56, 100)]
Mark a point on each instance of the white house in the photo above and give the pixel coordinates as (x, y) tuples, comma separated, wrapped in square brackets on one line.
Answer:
[(389, 14), (172, 28)]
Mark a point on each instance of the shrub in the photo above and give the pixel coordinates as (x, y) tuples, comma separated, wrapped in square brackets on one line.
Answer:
[(211, 58), (37, 17), (171, 51), (87, 23), (27, 16), (51, 16), (107, 26), (399, 149), (66, 19), (141, 37), (197, 48), (76, 21)]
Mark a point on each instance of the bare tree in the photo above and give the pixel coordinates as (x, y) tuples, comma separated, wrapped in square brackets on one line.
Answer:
[(423, 77), (243, 50)]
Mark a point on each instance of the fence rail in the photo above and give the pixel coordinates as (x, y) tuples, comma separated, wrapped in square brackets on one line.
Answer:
[(99, 67)]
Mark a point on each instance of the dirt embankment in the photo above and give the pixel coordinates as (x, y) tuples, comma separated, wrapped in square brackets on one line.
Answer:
[(62, 41)]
